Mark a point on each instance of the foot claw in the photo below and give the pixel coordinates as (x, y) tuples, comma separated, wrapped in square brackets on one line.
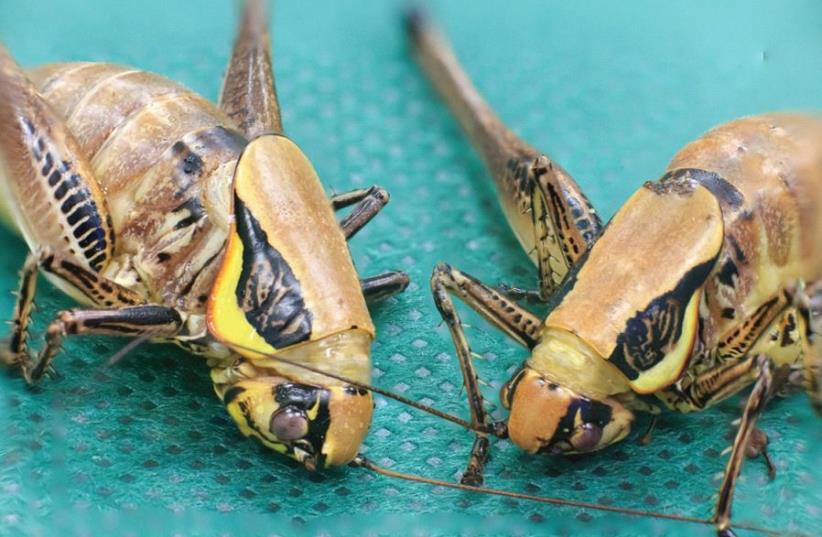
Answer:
[(472, 479)]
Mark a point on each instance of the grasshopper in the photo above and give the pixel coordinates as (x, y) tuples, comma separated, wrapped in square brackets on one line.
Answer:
[(705, 282), (173, 219)]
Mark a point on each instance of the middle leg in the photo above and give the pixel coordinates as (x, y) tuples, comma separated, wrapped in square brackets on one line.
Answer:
[(382, 286), (769, 362), (369, 202)]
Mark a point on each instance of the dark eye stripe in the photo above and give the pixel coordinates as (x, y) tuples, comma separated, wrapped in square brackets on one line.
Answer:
[(590, 411)]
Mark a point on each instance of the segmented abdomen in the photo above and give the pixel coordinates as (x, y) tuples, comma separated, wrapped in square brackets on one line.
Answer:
[(164, 158)]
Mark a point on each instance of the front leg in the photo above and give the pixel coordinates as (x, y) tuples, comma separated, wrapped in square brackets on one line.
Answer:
[(512, 319), (369, 202), (382, 286)]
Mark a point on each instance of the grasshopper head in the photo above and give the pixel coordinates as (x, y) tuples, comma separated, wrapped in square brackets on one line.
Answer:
[(287, 288), (548, 417), (318, 426)]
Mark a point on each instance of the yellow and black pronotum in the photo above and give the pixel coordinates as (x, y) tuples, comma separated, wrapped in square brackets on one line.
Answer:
[(177, 220), (705, 282)]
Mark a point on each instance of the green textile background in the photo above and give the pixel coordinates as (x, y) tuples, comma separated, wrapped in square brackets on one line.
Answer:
[(609, 89)]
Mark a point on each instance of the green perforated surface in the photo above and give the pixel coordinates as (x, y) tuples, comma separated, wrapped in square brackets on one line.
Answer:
[(610, 89)]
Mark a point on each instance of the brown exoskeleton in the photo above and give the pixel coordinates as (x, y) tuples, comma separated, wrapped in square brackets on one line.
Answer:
[(703, 283), (177, 220)]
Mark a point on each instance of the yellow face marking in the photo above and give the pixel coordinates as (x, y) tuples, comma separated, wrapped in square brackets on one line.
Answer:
[(313, 411), (239, 418)]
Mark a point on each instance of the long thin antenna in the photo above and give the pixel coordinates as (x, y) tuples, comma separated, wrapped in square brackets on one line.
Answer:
[(362, 385), (127, 348), (362, 462)]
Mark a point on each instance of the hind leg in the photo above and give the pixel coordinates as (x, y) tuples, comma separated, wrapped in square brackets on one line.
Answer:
[(813, 359), (127, 314), (50, 192), (248, 94)]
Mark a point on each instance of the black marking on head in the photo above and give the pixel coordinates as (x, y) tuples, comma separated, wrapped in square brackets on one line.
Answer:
[(652, 333), (267, 291), (727, 194), (589, 411), (304, 397), (231, 394), (245, 409)]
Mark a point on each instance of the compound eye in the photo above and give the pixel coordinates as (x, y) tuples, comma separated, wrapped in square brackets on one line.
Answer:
[(288, 424), (588, 437)]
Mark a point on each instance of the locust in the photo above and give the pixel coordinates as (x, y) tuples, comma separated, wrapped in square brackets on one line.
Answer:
[(705, 282), (173, 219)]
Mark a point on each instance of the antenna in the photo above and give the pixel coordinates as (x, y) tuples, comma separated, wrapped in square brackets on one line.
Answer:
[(362, 462), (495, 430)]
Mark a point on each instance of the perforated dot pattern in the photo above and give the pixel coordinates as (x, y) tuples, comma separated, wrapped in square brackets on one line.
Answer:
[(609, 90)]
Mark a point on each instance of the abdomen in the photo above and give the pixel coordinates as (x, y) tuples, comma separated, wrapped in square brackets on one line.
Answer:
[(773, 226), (164, 158)]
